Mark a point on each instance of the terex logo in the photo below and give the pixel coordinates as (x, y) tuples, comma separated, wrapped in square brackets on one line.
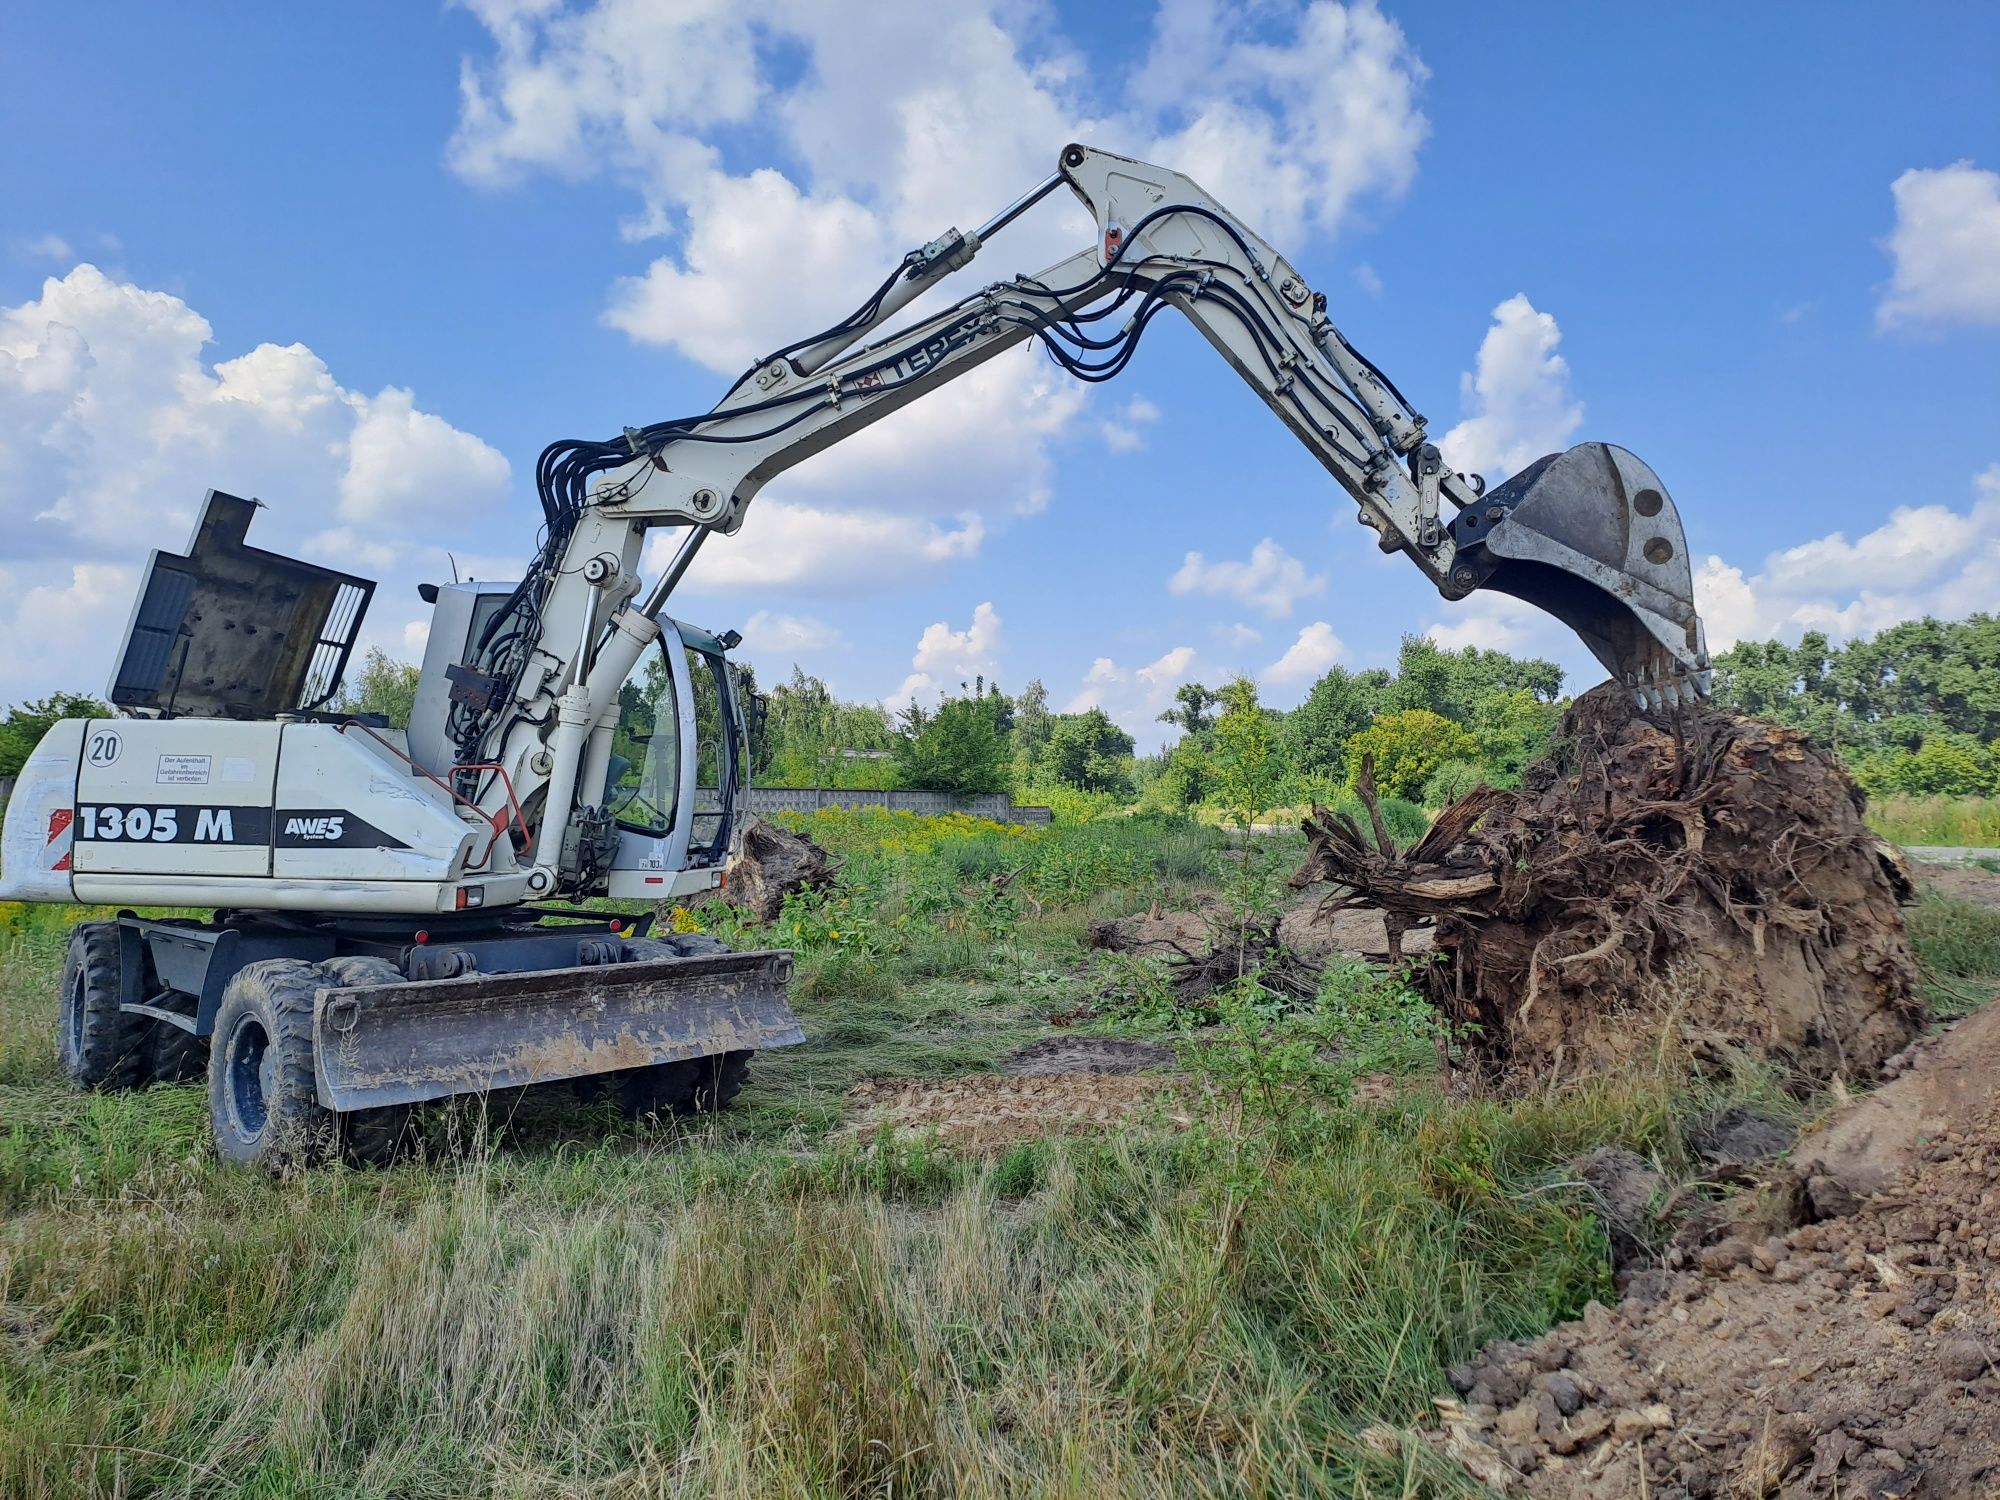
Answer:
[(329, 827)]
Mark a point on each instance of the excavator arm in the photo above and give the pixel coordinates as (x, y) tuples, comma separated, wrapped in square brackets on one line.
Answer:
[(1590, 535)]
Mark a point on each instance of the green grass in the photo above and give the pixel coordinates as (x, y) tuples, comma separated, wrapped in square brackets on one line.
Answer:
[(767, 1305), (1957, 944), (1954, 822)]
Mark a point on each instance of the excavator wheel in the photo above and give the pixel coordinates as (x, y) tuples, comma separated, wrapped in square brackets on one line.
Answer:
[(696, 1086), (101, 1046), (368, 1137), (262, 1101)]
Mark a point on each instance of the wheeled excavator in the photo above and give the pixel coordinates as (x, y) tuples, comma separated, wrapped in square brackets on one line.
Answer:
[(398, 915)]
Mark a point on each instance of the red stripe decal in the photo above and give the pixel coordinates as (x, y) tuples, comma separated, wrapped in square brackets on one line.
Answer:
[(59, 822)]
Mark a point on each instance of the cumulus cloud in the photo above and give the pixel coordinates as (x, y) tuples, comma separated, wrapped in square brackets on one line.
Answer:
[(1134, 697), (1946, 248), (113, 423), (1271, 581), (946, 658), (1517, 398), (1923, 560), (821, 551), (772, 634), (1309, 657), (875, 128), (1121, 432)]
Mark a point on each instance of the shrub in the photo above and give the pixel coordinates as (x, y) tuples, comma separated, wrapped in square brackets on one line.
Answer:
[(1408, 747)]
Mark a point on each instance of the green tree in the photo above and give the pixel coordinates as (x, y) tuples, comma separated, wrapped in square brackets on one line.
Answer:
[(1193, 708), (26, 723), (1454, 683), (384, 686), (1512, 729), (1245, 762), (1896, 690), (1087, 751), (812, 738), (1033, 723), (1340, 705), (960, 746), (1409, 746)]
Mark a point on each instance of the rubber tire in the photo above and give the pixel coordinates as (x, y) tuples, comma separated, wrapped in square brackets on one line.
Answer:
[(101, 1046), (696, 1086), (174, 1055), (368, 1137), (262, 1102)]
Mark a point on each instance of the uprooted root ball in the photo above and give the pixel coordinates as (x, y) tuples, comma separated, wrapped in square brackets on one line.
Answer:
[(1705, 881)]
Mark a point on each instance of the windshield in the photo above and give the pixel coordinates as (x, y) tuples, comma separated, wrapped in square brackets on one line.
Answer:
[(643, 781), (714, 746)]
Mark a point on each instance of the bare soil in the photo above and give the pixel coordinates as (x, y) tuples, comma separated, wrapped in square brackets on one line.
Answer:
[(988, 1112), (1851, 1357), (1963, 883), (1704, 881), (1054, 1056)]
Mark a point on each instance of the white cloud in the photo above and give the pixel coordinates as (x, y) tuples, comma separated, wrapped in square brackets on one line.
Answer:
[(113, 423), (769, 634), (946, 658), (1946, 248), (1241, 637), (1121, 433), (805, 548), (1308, 658), (1517, 399), (1924, 560), (1135, 696), (1272, 581), (883, 124), (1368, 279), (46, 247)]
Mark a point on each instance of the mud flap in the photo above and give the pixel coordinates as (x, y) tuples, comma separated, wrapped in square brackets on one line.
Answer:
[(425, 1039)]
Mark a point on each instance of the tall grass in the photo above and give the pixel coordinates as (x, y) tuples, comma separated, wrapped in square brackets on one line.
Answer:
[(1955, 822), (1134, 1316)]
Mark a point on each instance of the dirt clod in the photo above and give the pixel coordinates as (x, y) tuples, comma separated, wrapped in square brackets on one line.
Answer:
[(1704, 882)]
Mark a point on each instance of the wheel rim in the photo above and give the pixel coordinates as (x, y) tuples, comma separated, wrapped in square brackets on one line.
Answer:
[(249, 1066), (73, 1032)]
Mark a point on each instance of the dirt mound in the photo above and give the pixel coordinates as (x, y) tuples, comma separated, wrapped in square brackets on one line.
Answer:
[(771, 864), (1157, 933), (1937, 1087), (984, 1112), (1056, 1055), (1853, 1357), (1707, 880)]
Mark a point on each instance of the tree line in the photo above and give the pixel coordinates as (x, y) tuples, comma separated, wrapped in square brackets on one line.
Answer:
[(1914, 709)]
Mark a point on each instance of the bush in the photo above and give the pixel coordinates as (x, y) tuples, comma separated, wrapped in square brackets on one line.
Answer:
[(1408, 748), (1451, 781)]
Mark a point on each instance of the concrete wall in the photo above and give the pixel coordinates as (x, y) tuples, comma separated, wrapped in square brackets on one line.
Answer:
[(998, 806)]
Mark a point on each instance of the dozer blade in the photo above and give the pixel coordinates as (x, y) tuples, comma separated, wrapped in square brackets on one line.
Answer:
[(425, 1039), (1592, 537)]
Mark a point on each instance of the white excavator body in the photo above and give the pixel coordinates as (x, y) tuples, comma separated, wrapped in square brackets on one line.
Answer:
[(570, 741)]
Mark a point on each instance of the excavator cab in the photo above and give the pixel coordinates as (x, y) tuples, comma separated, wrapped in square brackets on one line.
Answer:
[(1592, 537)]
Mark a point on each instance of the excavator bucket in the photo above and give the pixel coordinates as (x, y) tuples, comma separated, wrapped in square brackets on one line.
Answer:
[(1592, 537)]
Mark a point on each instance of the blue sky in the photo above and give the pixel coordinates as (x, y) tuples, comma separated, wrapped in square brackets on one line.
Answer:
[(365, 261)]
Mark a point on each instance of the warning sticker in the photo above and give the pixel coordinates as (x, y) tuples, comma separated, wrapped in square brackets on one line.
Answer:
[(183, 770)]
